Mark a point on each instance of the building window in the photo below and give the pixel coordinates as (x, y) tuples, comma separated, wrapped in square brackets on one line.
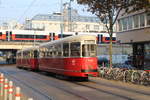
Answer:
[(142, 20), (136, 21), (148, 19), (74, 26), (147, 56), (124, 23), (87, 27), (130, 22), (120, 25), (96, 27)]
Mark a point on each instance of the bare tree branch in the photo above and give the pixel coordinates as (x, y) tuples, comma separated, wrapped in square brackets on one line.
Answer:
[(118, 12)]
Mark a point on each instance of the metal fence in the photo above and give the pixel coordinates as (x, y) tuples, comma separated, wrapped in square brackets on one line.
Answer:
[(134, 76)]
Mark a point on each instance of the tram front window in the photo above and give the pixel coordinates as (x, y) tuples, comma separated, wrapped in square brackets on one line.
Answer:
[(89, 50), (75, 49)]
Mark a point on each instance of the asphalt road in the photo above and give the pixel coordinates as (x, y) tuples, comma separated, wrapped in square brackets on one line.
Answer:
[(41, 86)]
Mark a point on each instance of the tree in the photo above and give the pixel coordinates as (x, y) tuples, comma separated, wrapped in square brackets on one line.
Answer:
[(109, 10)]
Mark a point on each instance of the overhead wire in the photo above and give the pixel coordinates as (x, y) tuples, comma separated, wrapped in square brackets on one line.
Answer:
[(24, 13)]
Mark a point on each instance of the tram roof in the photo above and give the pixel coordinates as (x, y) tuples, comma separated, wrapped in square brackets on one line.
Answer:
[(75, 38)]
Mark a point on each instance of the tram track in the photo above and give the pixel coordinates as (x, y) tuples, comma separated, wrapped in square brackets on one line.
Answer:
[(96, 84), (106, 91), (61, 88), (100, 87), (47, 83), (27, 85), (119, 87), (112, 91)]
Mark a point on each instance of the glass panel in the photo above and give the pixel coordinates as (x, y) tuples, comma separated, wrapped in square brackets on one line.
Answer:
[(35, 54), (89, 50), (120, 25), (142, 20), (66, 49), (147, 57), (96, 27), (148, 18), (87, 27), (130, 24), (136, 21), (75, 49), (59, 50), (124, 23)]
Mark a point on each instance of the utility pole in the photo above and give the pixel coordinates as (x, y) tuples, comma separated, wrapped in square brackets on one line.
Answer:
[(34, 37), (70, 16), (61, 18)]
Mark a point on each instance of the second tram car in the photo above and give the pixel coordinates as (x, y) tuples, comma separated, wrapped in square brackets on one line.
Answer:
[(28, 58)]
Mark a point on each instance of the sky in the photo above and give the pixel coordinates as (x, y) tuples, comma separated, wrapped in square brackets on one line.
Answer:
[(19, 10)]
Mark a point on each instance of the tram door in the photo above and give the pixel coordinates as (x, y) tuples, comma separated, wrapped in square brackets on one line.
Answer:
[(138, 56)]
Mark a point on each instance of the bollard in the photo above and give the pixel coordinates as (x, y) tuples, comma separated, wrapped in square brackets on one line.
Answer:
[(10, 91), (30, 99), (1, 84), (18, 94), (6, 89)]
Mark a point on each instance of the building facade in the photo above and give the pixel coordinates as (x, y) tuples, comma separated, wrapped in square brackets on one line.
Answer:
[(134, 28), (68, 21), (11, 25)]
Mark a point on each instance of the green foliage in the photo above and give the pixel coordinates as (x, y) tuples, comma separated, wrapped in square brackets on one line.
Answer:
[(109, 10)]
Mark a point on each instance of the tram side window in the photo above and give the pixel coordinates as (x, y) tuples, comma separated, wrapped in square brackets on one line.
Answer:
[(55, 52), (45, 52), (66, 49), (58, 50), (35, 54), (75, 49), (25, 54), (89, 50), (18, 55), (49, 53), (30, 54), (42, 52)]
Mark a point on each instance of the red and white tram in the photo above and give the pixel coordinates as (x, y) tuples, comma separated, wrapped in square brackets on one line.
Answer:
[(73, 56)]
